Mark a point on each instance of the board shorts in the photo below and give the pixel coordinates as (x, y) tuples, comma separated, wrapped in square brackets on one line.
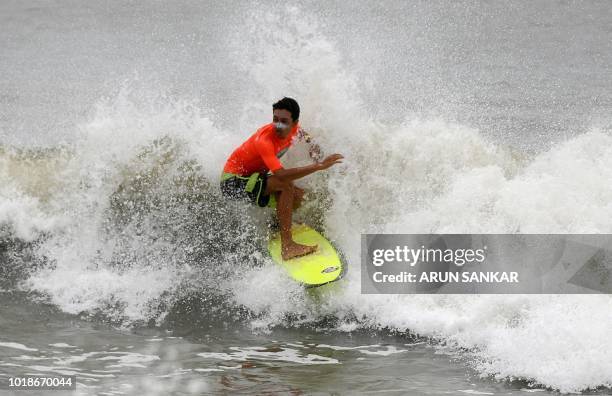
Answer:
[(251, 188)]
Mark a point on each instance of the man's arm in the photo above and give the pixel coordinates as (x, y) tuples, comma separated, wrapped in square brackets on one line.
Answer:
[(297, 173)]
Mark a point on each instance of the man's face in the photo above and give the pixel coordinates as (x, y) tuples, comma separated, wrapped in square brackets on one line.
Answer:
[(283, 116)]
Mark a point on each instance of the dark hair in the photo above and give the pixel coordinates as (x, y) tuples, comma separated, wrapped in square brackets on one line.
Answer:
[(290, 105)]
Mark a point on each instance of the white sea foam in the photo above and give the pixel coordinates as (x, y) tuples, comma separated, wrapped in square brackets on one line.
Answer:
[(16, 345)]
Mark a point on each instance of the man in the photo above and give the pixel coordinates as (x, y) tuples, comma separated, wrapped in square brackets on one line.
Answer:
[(246, 172)]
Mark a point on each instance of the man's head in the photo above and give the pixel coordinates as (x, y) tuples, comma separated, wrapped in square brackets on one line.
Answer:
[(285, 114)]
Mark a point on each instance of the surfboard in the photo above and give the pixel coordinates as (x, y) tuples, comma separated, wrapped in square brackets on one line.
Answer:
[(312, 270)]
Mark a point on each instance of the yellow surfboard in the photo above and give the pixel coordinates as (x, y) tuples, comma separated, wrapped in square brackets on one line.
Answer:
[(315, 269)]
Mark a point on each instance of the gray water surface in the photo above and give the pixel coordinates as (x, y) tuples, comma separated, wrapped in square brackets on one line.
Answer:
[(226, 358)]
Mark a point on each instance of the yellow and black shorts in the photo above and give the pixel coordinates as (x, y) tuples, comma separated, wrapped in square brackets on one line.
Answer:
[(251, 188)]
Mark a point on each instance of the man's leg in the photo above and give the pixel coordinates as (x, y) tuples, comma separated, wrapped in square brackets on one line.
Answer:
[(286, 198)]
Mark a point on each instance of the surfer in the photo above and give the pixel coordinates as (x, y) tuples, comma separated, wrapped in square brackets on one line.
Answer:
[(253, 171)]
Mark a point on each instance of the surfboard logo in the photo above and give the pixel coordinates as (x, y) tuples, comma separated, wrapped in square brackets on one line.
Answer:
[(329, 269)]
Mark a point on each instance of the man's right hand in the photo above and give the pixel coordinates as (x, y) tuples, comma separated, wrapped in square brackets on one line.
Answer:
[(331, 160)]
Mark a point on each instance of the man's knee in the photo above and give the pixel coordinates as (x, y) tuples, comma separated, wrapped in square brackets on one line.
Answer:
[(278, 184), (298, 193), (287, 188), (297, 202)]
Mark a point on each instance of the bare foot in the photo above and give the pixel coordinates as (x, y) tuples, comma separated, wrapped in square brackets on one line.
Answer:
[(294, 249)]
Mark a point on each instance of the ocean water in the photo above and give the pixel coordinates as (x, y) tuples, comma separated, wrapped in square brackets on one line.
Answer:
[(121, 264)]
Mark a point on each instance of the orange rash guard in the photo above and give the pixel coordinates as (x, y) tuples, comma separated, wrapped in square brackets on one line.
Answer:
[(260, 152)]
